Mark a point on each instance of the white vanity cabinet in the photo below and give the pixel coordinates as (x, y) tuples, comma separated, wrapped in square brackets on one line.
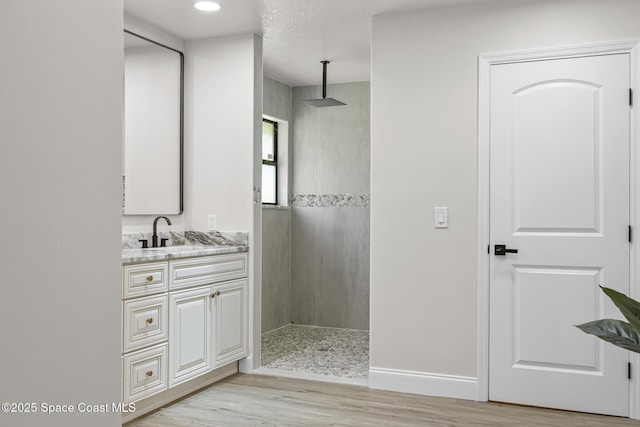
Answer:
[(182, 318), (144, 330), (208, 323)]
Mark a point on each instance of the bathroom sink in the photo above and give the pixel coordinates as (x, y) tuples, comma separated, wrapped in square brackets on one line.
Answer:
[(165, 249), (172, 248)]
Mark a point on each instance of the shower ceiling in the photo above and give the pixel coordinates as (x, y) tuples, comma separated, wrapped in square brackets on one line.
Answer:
[(297, 34)]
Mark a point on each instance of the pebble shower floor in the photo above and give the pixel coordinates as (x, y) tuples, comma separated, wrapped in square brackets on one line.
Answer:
[(335, 352)]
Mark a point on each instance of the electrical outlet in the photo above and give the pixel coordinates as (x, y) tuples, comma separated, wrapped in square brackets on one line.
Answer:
[(212, 221)]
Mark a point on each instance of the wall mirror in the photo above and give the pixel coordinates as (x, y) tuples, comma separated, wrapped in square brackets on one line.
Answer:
[(153, 122)]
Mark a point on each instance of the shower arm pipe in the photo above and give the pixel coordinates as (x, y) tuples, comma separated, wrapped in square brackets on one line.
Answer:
[(324, 79)]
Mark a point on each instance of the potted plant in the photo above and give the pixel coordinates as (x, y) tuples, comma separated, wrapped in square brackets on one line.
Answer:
[(618, 332)]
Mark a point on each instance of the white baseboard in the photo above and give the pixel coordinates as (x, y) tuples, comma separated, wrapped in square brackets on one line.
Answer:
[(424, 383), (246, 365)]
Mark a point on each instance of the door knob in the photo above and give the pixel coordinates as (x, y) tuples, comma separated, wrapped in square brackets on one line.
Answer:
[(502, 250)]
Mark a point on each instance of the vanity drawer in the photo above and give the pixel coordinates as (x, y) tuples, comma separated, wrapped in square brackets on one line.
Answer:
[(144, 279), (145, 322), (206, 270), (145, 373)]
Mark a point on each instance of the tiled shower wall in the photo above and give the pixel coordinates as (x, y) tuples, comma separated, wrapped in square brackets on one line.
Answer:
[(316, 253), (330, 208), (330, 267), (276, 225), (276, 268)]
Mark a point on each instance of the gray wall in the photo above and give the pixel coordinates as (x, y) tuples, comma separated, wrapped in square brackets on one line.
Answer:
[(60, 165), (330, 214), (276, 225), (276, 268), (424, 134), (330, 266), (276, 100), (331, 145)]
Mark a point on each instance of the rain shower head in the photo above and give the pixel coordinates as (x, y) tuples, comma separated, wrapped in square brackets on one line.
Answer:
[(324, 101)]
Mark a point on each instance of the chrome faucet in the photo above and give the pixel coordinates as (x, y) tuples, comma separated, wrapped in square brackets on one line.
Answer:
[(154, 238)]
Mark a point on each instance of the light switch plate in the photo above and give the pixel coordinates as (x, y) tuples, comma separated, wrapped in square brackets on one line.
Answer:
[(441, 217), (212, 222)]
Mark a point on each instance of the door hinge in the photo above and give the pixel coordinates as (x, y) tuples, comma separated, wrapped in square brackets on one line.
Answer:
[(629, 370), (629, 234), (630, 97)]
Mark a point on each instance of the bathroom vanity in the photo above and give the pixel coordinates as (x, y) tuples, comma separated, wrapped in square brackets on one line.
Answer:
[(184, 320)]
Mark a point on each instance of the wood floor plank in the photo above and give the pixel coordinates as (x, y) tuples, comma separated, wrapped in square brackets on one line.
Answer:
[(261, 400)]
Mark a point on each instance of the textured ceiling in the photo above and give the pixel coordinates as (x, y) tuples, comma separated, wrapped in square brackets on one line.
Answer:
[(297, 34)]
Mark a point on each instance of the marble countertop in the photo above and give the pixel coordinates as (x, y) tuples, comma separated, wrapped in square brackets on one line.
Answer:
[(176, 252)]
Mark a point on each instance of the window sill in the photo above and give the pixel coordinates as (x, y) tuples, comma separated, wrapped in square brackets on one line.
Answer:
[(275, 207)]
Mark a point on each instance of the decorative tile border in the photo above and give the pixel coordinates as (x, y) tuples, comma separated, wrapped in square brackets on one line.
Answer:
[(257, 195), (329, 200)]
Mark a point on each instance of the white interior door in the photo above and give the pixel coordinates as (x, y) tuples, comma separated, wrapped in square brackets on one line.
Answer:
[(559, 188)]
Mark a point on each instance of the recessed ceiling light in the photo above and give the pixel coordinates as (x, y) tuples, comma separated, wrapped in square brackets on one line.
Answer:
[(206, 6)]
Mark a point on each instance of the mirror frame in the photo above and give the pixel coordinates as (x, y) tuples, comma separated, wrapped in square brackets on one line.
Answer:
[(181, 172)]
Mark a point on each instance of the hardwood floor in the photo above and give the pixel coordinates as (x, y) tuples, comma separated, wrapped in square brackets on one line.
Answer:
[(260, 400)]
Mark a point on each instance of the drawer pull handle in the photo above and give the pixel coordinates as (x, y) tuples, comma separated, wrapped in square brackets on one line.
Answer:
[(150, 320), (149, 373), (215, 294), (149, 278)]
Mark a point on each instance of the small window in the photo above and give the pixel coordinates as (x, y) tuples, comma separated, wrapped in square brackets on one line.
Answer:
[(269, 162)]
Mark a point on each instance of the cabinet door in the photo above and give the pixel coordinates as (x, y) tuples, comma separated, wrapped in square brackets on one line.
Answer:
[(189, 334), (229, 321)]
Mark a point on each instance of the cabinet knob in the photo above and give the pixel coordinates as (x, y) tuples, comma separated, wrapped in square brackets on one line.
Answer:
[(150, 320), (149, 373), (149, 278), (215, 294)]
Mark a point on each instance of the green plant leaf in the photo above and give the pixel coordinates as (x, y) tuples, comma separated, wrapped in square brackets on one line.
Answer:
[(629, 307), (614, 331)]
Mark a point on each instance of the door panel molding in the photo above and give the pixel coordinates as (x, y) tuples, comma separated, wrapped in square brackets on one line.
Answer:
[(485, 62)]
